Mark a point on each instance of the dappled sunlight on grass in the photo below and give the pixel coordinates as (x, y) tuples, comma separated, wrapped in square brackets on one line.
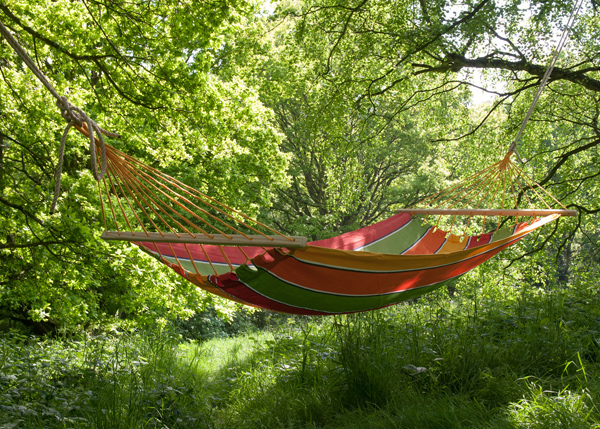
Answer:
[(529, 360)]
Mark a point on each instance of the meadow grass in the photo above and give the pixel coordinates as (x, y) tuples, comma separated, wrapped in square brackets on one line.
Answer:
[(482, 359)]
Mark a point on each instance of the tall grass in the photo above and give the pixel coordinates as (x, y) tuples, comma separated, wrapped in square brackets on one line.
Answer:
[(486, 358)]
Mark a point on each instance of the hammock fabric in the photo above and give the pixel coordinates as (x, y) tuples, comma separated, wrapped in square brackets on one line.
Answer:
[(380, 265)]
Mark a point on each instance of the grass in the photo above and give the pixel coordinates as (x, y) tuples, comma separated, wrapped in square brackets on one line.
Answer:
[(528, 360)]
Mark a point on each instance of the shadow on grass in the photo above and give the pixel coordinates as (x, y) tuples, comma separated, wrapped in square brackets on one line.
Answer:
[(531, 362)]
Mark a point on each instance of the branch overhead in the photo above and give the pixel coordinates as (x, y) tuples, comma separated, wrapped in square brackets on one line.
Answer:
[(456, 62)]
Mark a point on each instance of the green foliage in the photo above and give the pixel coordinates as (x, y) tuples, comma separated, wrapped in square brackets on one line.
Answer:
[(320, 118), (208, 324), (116, 381), (145, 71), (564, 409), (376, 63), (337, 113), (352, 159)]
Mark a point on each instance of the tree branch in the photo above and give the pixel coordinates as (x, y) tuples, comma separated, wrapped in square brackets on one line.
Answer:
[(563, 158), (47, 41), (456, 62), (22, 210), (26, 245)]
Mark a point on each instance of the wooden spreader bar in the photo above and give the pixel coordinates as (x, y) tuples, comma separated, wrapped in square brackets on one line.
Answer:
[(490, 212), (217, 239)]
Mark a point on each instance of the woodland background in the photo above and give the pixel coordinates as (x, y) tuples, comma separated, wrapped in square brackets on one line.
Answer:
[(318, 117)]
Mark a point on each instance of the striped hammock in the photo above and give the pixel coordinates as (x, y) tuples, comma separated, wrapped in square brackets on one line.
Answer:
[(233, 256), (383, 264)]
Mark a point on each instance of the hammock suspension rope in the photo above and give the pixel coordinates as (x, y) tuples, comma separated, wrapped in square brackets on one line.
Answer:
[(560, 45), (74, 116)]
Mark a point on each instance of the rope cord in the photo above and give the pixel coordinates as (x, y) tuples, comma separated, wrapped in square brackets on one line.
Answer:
[(27, 60), (73, 115), (560, 45)]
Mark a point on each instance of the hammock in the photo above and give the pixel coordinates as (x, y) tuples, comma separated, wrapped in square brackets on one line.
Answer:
[(323, 279), (231, 255)]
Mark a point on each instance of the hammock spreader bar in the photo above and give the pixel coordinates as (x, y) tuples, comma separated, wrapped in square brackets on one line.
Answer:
[(290, 242)]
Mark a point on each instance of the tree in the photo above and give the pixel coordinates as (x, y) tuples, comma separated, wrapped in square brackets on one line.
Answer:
[(385, 47), (394, 52), (147, 71), (352, 161)]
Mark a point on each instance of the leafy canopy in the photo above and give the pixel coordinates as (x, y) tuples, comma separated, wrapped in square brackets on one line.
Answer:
[(149, 71)]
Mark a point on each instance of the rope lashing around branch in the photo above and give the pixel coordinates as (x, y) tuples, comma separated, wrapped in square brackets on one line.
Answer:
[(71, 114)]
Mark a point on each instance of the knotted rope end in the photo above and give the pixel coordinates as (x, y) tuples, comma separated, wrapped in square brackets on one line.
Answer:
[(77, 118)]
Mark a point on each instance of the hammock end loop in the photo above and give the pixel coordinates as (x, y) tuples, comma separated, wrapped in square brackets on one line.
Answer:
[(68, 111), (76, 117)]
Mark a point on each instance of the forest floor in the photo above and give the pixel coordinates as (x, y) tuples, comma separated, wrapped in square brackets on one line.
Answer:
[(479, 360)]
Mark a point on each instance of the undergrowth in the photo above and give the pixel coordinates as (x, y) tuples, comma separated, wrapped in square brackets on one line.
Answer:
[(483, 360)]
